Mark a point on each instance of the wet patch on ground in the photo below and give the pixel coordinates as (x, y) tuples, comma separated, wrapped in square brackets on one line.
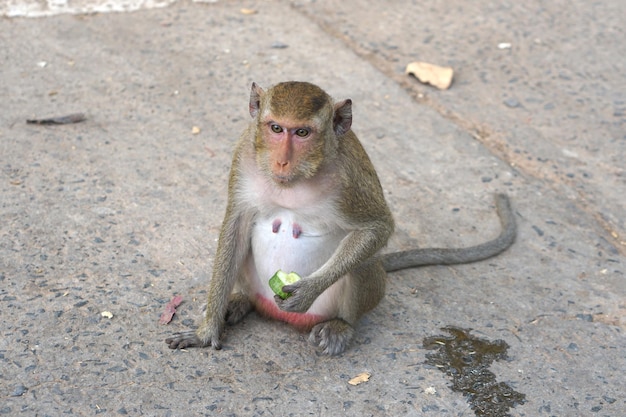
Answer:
[(466, 359)]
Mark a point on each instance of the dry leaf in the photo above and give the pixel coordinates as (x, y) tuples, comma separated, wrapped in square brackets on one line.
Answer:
[(248, 11), (170, 309), (440, 77), (195, 130), (58, 120), (360, 378)]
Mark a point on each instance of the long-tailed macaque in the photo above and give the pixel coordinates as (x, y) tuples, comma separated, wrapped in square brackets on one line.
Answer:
[(303, 196)]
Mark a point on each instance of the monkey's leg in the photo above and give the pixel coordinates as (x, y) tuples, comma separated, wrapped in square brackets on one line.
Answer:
[(196, 338), (239, 306), (364, 290), (333, 336)]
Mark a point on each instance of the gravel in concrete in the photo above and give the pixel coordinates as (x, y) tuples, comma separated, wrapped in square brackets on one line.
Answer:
[(122, 211)]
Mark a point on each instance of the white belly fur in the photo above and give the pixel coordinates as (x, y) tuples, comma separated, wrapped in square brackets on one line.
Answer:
[(278, 247)]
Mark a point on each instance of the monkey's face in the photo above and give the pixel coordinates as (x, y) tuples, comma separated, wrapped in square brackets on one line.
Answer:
[(294, 130), (289, 150)]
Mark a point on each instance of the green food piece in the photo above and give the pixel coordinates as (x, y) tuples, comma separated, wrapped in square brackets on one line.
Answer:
[(280, 279)]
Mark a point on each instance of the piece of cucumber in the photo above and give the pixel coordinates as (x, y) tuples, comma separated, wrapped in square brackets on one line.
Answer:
[(280, 279)]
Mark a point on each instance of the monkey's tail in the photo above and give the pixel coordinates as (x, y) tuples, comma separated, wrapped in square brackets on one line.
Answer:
[(444, 256)]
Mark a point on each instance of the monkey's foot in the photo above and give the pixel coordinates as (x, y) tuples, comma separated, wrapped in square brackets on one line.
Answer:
[(333, 336), (184, 340), (239, 306)]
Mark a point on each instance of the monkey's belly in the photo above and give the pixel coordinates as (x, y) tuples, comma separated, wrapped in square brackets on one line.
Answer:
[(281, 242)]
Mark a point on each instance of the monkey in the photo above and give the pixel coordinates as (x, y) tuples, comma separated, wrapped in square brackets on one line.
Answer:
[(304, 196)]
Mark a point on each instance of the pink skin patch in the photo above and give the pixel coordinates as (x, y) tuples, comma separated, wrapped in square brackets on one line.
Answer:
[(276, 225), (304, 321), (297, 231)]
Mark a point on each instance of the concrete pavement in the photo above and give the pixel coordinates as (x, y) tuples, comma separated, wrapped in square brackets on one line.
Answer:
[(122, 211)]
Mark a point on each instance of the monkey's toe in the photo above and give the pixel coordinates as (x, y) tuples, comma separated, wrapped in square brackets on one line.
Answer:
[(332, 336)]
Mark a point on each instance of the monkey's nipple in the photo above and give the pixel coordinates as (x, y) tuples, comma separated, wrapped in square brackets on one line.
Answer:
[(297, 231), (276, 225)]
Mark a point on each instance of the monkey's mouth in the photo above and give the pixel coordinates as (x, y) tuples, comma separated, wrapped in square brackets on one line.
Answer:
[(282, 179)]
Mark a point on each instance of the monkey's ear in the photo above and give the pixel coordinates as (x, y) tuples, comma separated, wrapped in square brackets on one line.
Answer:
[(342, 119), (255, 99)]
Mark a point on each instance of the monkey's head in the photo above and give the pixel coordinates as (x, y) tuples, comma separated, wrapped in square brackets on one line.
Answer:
[(298, 128)]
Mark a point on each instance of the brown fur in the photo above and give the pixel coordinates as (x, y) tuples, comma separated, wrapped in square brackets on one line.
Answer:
[(327, 182)]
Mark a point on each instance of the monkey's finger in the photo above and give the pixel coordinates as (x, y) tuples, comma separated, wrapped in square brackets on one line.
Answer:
[(279, 301), (290, 288), (216, 344), (285, 305), (295, 304)]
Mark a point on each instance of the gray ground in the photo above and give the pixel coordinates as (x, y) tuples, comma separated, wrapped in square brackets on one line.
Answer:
[(121, 212)]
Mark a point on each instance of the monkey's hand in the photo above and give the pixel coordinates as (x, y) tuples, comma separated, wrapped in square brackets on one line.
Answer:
[(206, 334), (302, 296)]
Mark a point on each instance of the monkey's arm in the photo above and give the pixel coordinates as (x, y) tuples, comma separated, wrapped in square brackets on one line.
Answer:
[(357, 247), (232, 249), (441, 256), (362, 208)]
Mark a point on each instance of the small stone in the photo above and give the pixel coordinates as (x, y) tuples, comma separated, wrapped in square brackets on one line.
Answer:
[(572, 347), (279, 45), (19, 391), (584, 317), (512, 102)]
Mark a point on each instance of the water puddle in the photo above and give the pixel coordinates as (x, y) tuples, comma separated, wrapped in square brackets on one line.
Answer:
[(466, 359)]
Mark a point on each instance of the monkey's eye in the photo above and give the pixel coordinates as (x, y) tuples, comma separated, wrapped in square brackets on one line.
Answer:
[(276, 128), (303, 133)]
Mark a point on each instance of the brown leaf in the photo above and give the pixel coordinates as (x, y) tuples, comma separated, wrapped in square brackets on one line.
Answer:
[(170, 309)]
